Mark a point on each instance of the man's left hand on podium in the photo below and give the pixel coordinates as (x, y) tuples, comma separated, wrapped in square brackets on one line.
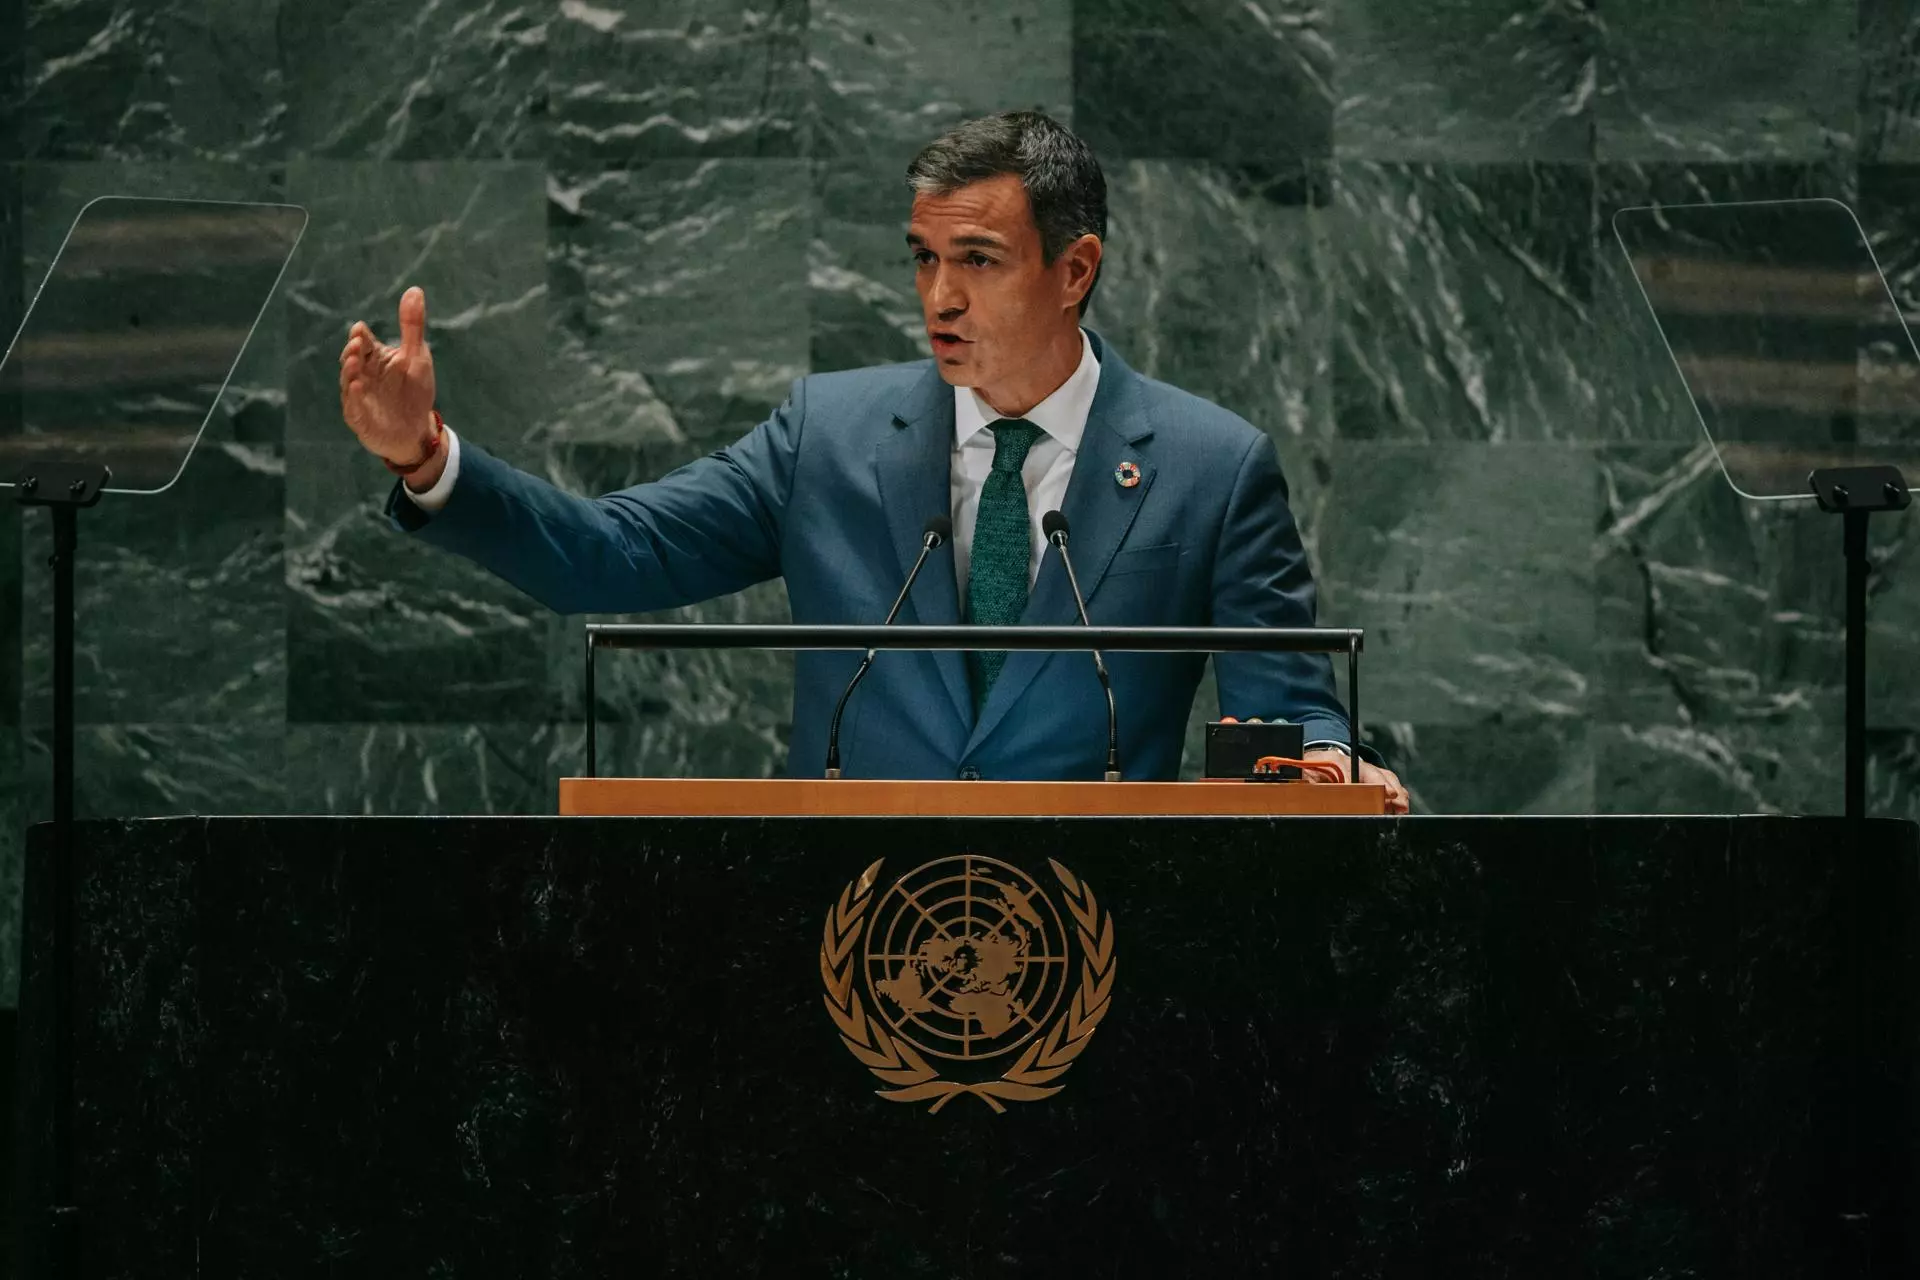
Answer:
[(1369, 773)]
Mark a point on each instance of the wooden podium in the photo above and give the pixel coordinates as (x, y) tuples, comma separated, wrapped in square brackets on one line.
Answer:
[(842, 798)]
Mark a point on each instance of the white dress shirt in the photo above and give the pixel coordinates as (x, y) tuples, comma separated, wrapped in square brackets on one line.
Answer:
[(435, 498), (1062, 419)]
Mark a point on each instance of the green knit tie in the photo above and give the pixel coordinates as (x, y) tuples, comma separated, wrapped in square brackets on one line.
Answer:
[(1002, 549)]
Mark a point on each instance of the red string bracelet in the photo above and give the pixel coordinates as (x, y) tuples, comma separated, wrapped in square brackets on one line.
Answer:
[(433, 447)]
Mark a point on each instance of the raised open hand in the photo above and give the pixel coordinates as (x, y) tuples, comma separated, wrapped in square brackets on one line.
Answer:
[(386, 393)]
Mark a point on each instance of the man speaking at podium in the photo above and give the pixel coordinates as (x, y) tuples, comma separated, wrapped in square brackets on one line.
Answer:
[(1176, 508)]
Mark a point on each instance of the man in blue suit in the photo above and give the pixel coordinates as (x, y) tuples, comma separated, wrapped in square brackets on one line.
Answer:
[(1177, 507)]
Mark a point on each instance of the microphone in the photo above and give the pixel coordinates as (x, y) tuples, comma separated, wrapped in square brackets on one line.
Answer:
[(939, 530), (1054, 525)]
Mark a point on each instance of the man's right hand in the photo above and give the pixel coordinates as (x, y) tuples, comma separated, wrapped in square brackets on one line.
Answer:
[(386, 393)]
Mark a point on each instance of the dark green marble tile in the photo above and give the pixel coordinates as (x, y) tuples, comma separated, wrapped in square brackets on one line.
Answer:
[(12, 307), (1746, 767), (1713, 610), (473, 235), (863, 308), (1890, 94), (1642, 396), (1893, 774), (513, 768), (1531, 765), (679, 299), (180, 612), (1469, 567), (888, 77), (1472, 80), (1766, 79), (129, 79), (1465, 302), (1217, 280), (159, 770), (634, 80), (14, 817), (384, 628), (1888, 208), (694, 713), (1203, 80), (656, 744), (679, 319), (13, 49), (380, 627), (458, 80), (424, 768), (11, 572)]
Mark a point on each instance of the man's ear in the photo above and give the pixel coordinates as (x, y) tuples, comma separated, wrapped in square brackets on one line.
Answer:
[(1081, 260)]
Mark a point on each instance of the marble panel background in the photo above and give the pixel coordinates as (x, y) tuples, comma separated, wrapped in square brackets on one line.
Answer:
[(1379, 231)]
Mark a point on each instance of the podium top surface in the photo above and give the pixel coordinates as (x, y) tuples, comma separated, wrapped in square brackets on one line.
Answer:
[(819, 797)]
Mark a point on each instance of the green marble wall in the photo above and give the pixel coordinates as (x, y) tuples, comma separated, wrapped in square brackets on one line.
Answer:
[(1371, 227)]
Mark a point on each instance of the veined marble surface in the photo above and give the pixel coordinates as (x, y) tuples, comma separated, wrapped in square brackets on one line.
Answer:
[(1380, 233)]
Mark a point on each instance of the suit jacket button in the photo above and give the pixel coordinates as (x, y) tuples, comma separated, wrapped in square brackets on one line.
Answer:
[(969, 774)]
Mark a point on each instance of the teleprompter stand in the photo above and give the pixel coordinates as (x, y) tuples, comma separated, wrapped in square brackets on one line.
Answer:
[(63, 488), (1855, 493), (119, 362), (1801, 369)]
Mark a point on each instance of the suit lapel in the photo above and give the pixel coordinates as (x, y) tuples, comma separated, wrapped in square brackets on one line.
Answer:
[(1099, 512), (913, 468)]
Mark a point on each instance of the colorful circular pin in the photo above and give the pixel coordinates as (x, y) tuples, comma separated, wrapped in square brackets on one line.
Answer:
[(1127, 474)]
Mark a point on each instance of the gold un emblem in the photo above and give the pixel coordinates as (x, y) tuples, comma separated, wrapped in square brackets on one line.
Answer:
[(964, 961)]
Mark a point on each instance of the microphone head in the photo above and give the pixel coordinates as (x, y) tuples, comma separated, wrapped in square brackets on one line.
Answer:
[(1054, 525), (939, 529)]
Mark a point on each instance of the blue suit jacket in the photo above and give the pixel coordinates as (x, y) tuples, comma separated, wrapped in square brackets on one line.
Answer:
[(832, 493)]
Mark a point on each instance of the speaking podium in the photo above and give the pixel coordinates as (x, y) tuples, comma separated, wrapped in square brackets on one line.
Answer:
[(833, 1027), (911, 1046)]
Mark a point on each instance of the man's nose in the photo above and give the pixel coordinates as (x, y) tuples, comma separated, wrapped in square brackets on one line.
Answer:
[(948, 299)]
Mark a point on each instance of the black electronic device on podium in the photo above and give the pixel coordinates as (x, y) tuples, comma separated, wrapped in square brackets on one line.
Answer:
[(119, 362), (1800, 368)]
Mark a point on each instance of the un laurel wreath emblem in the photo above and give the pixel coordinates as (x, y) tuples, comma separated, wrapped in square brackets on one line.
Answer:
[(965, 961)]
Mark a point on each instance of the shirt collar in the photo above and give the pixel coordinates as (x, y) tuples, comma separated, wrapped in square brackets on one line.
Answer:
[(1062, 415)]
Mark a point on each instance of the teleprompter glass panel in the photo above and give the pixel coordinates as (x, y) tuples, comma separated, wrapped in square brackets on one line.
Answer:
[(135, 331), (1790, 343)]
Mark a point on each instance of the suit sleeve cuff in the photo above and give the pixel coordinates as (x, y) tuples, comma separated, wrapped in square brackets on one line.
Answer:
[(1367, 753), (435, 498)]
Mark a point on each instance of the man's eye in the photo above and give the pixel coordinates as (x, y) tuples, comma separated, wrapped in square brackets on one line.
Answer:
[(979, 260)]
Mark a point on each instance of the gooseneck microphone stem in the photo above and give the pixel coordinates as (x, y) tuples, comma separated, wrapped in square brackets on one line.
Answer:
[(939, 529), (1055, 526)]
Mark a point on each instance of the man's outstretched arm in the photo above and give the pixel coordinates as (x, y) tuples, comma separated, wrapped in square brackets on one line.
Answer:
[(711, 527)]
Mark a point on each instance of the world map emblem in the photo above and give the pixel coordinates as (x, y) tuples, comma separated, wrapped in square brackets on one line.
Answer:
[(966, 962)]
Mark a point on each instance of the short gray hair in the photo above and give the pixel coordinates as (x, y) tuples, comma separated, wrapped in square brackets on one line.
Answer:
[(1064, 185)]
